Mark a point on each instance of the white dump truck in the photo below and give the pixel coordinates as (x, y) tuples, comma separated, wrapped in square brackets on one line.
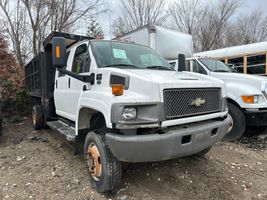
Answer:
[(247, 94), (125, 102)]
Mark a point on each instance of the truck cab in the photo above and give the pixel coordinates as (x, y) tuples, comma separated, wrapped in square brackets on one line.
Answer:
[(247, 99), (127, 103)]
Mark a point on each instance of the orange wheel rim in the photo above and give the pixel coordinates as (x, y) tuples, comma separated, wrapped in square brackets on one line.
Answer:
[(94, 161)]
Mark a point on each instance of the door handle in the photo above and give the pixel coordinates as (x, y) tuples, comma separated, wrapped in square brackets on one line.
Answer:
[(69, 83), (56, 83)]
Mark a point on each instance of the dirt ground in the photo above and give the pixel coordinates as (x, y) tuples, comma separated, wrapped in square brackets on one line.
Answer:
[(49, 170)]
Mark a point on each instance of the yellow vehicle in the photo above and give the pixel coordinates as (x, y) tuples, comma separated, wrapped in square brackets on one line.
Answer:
[(248, 59)]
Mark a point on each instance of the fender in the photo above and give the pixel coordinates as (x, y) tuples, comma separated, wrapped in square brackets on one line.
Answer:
[(235, 90), (97, 103)]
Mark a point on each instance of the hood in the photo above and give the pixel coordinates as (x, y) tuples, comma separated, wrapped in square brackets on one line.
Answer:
[(174, 77), (238, 76), (246, 79), (147, 84)]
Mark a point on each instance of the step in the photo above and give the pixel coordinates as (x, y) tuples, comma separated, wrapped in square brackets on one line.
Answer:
[(63, 129)]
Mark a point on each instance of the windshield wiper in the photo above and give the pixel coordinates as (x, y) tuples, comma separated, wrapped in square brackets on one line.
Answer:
[(159, 67), (221, 70), (122, 65)]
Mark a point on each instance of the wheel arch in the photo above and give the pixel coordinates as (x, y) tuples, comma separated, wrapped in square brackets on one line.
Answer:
[(230, 100), (85, 117)]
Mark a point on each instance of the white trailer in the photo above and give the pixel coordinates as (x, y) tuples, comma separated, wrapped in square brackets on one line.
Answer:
[(166, 42)]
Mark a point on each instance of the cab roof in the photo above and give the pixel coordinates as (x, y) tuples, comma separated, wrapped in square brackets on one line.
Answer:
[(70, 39)]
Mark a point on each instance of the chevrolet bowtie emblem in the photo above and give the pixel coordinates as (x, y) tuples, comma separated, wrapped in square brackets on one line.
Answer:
[(197, 102)]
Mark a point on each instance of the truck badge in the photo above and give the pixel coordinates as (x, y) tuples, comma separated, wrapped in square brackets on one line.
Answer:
[(197, 102)]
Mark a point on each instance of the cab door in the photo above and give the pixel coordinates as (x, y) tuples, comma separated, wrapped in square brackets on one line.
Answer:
[(68, 89), (61, 90), (80, 65)]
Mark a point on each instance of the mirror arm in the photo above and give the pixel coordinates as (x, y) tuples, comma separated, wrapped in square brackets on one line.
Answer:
[(84, 78)]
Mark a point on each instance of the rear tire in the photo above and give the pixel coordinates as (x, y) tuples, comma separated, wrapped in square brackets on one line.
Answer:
[(104, 169), (37, 117), (239, 123)]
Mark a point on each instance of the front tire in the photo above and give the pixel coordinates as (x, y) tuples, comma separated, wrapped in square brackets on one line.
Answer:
[(104, 169), (239, 123), (37, 117)]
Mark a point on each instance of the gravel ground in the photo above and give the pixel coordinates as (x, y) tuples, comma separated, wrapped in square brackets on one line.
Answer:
[(39, 169)]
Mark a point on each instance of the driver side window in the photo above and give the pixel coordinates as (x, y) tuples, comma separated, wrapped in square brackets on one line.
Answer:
[(198, 68), (81, 61)]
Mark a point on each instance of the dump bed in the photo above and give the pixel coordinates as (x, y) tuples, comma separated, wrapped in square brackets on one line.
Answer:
[(39, 76), (32, 76)]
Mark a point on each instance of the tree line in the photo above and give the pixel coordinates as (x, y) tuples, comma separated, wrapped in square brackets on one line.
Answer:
[(212, 24), (28, 22)]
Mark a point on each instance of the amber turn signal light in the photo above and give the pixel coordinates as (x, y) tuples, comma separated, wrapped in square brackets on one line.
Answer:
[(248, 99), (57, 51), (117, 89)]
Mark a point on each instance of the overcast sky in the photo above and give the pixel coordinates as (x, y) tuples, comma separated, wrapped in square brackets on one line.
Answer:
[(255, 4)]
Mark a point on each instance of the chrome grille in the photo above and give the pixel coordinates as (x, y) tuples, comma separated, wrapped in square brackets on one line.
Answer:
[(178, 102)]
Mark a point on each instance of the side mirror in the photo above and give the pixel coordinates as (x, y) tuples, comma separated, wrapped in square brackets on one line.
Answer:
[(59, 54), (181, 63)]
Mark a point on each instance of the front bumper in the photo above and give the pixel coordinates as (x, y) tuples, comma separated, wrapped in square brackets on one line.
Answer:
[(256, 118), (177, 141)]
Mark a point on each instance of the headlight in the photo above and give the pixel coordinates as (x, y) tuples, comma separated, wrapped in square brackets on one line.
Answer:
[(129, 113), (250, 99)]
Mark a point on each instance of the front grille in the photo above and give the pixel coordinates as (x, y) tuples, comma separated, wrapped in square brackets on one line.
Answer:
[(190, 102)]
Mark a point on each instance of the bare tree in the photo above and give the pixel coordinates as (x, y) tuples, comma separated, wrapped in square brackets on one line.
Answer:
[(118, 27), (214, 25), (206, 20), (248, 29), (38, 14), (60, 15), (15, 21), (66, 13), (31, 21), (137, 13), (188, 14)]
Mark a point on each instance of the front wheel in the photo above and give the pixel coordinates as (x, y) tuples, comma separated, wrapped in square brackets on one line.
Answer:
[(104, 169), (238, 126)]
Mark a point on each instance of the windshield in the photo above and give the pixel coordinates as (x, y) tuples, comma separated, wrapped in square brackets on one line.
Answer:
[(215, 65), (124, 55)]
